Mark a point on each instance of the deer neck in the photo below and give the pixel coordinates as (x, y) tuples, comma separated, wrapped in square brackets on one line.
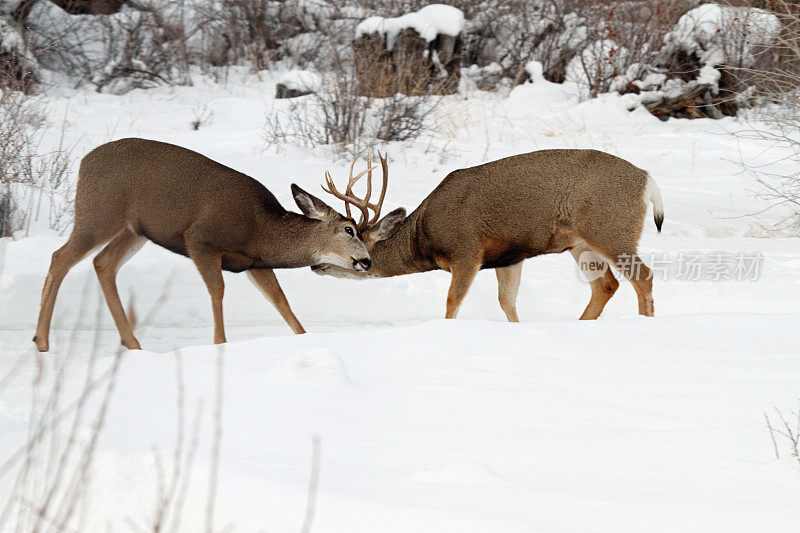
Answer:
[(289, 241), (400, 254)]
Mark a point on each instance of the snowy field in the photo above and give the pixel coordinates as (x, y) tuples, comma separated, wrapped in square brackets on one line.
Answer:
[(624, 423)]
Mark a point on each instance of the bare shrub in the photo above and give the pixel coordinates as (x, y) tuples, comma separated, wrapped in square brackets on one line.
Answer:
[(778, 125), (138, 47), (239, 30), (142, 49), (202, 116), (513, 32), (28, 173), (774, 81), (624, 43), (18, 64), (18, 115), (785, 431), (54, 466), (334, 114), (258, 32), (53, 471), (402, 118), (338, 115)]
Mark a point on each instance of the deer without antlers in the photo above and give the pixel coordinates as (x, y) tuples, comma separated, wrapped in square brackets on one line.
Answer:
[(133, 190), (496, 215)]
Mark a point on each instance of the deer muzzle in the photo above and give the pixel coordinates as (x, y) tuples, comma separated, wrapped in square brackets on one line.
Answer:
[(362, 265)]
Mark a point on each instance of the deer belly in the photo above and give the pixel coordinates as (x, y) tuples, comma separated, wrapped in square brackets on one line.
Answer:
[(498, 253), (238, 262), (173, 243)]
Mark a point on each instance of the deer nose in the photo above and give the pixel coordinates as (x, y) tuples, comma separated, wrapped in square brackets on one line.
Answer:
[(362, 265)]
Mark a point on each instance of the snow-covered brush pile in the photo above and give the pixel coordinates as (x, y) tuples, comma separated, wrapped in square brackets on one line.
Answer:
[(28, 171), (552, 35), (133, 48), (332, 113), (710, 48), (17, 63), (149, 43), (416, 53), (694, 67), (297, 83), (724, 35), (685, 60), (259, 32)]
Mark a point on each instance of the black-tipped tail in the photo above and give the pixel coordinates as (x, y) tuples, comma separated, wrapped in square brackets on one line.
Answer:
[(659, 218), (653, 194)]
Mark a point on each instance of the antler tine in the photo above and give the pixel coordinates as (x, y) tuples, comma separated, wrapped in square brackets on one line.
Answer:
[(335, 192), (377, 208), (369, 177), (350, 180), (358, 177), (350, 198)]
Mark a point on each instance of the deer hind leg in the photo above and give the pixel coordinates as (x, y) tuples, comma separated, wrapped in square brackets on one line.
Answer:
[(106, 264), (209, 264), (266, 281), (638, 273), (462, 274), (508, 279), (603, 282), (641, 277), (77, 247)]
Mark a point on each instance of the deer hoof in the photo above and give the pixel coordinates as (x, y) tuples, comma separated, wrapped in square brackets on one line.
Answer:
[(133, 345), (41, 345)]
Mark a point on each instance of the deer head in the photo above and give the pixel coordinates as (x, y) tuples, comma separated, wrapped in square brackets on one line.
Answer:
[(371, 228), (337, 239)]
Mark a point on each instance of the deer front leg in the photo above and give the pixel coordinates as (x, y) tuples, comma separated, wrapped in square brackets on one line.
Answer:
[(462, 274), (63, 260), (106, 264), (209, 264), (266, 281), (507, 287)]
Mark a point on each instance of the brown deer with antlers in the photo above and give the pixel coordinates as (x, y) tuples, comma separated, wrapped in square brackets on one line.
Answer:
[(134, 190), (498, 214)]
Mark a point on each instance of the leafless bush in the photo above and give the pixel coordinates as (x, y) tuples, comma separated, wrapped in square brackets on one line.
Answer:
[(259, 32), (402, 118), (774, 78), (18, 64), (202, 116), (624, 42), (28, 172), (337, 115), (142, 48), (52, 473), (137, 47), (333, 114), (514, 32), (778, 125), (18, 116), (239, 30), (788, 433), (53, 467)]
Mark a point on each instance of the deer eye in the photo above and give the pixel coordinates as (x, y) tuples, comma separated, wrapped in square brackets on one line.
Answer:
[(349, 231)]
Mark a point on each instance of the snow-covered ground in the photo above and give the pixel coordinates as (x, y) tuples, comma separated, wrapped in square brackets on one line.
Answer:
[(425, 424)]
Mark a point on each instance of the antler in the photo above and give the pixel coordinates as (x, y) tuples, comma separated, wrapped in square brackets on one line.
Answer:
[(362, 204)]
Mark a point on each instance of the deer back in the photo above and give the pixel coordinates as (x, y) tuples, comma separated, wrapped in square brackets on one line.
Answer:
[(530, 204)]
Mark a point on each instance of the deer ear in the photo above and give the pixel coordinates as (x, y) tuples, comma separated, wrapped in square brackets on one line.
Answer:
[(386, 227), (310, 205)]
